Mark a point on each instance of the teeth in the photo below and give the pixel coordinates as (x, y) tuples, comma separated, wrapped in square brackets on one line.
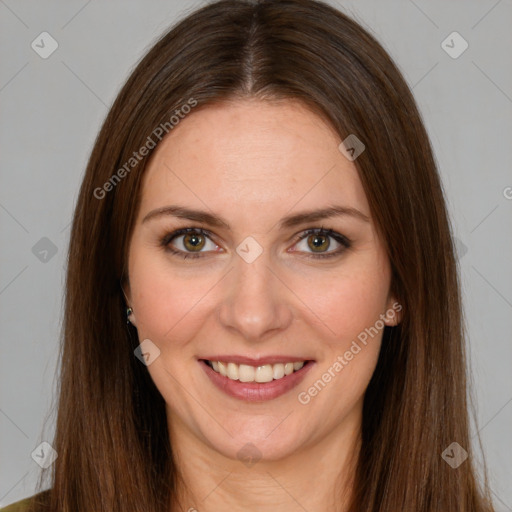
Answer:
[(232, 371), (278, 370), (264, 373), (247, 373), (222, 369)]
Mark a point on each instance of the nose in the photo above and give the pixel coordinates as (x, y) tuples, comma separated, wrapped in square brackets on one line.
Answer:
[(255, 303)]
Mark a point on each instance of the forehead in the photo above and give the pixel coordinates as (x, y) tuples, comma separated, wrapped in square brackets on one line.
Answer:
[(251, 153)]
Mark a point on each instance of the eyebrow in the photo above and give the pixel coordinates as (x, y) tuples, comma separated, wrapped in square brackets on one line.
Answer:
[(286, 222)]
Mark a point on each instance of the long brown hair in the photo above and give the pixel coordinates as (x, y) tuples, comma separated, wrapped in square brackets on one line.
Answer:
[(111, 431)]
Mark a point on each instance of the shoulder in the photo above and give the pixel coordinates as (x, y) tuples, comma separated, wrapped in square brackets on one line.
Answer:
[(19, 506), (24, 505)]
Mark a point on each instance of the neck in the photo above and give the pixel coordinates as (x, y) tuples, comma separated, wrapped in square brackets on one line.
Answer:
[(316, 477)]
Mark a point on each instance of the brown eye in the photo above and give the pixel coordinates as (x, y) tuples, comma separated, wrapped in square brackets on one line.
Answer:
[(318, 243), (193, 241), (189, 243), (314, 243)]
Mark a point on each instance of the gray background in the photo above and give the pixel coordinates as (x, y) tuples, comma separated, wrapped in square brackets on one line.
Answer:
[(51, 110)]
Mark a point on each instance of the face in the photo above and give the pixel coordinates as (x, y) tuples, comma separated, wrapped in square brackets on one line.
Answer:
[(257, 275)]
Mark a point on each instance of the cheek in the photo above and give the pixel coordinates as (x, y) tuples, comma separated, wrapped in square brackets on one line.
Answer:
[(355, 306), (349, 304), (347, 301), (166, 301), (351, 309)]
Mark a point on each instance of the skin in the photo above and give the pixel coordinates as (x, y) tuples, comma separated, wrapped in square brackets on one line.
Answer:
[(252, 163)]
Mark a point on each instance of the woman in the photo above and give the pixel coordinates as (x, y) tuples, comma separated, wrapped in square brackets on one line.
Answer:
[(262, 306)]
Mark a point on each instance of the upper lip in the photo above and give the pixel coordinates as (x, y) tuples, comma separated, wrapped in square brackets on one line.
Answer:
[(258, 361)]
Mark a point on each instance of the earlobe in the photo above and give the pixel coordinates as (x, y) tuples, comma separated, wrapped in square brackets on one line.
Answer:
[(393, 315), (130, 317)]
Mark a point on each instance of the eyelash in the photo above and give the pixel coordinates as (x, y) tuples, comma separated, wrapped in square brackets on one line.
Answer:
[(343, 240)]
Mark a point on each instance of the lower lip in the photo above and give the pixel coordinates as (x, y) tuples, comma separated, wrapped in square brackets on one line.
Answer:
[(256, 391)]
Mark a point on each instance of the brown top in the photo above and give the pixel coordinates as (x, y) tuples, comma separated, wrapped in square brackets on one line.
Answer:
[(19, 506), (26, 504)]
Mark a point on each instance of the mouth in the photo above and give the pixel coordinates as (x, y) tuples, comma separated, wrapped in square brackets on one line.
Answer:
[(248, 373), (261, 381)]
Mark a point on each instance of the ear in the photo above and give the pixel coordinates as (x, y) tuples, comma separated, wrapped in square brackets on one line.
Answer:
[(393, 314), (125, 288), (131, 319)]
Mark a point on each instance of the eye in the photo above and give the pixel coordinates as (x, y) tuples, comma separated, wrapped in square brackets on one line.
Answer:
[(318, 240), (189, 242)]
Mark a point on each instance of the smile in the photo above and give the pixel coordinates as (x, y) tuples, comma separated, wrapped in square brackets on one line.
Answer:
[(247, 373), (256, 382)]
